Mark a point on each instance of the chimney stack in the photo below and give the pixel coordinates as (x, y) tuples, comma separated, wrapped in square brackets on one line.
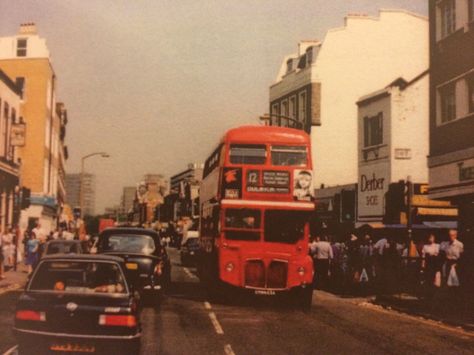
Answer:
[(28, 29)]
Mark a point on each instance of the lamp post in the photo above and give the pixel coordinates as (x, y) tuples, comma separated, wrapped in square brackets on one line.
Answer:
[(81, 190)]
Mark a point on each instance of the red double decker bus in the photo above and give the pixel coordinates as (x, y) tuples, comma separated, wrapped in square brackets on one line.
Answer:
[(256, 201)]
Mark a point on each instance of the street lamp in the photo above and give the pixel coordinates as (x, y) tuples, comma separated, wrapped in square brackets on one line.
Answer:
[(81, 190)]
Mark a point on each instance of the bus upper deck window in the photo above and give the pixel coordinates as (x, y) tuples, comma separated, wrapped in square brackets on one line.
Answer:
[(248, 154), (289, 156)]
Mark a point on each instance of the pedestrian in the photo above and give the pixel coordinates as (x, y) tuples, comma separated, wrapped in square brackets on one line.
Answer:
[(366, 251), (32, 248), (39, 232), (8, 248), (2, 276), (322, 255), (451, 251), (430, 264)]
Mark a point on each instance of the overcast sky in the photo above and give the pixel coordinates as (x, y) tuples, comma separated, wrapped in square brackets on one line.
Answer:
[(155, 83)]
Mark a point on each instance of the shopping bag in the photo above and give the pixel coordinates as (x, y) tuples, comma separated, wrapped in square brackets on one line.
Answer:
[(437, 279), (356, 277), (363, 276), (453, 280)]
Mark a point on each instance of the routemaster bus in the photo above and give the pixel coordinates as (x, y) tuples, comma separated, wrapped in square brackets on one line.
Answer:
[(256, 200)]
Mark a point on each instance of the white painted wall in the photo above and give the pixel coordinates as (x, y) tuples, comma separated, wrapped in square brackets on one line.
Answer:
[(36, 47), (405, 126), (361, 57), (410, 129)]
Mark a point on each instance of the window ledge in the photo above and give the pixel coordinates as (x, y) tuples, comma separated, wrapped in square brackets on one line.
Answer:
[(373, 147), (440, 41), (469, 115)]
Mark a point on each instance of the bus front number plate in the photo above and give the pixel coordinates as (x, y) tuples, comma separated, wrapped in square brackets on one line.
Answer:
[(265, 292)]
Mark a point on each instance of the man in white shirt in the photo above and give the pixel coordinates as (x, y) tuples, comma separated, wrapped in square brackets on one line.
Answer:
[(322, 253), (452, 251), (39, 233)]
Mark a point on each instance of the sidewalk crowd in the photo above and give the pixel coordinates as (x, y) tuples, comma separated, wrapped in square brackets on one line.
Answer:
[(434, 268), (28, 248)]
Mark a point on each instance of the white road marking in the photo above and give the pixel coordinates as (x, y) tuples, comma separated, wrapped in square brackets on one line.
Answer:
[(228, 350), (189, 273), (207, 305), (12, 350), (216, 323)]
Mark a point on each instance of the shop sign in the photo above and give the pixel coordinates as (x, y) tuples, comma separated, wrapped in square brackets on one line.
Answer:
[(373, 184), (18, 134)]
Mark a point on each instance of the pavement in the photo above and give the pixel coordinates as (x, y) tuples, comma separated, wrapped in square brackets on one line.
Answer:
[(187, 322), (14, 280), (458, 313)]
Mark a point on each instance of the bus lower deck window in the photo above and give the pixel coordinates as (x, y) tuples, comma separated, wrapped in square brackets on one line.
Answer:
[(285, 226)]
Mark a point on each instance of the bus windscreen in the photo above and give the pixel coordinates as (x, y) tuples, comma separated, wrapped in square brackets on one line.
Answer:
[(283, 226)]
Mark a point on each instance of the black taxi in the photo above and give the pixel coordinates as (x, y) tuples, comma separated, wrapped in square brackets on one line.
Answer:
[(79, 304), (142, 252)]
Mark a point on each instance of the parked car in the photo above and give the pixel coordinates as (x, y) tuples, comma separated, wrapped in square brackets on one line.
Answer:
[(63, 247), (143, 254), (78, 303), (189, 249)]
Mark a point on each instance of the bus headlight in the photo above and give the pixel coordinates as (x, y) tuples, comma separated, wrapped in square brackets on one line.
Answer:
[(301, 271), (229, 267)]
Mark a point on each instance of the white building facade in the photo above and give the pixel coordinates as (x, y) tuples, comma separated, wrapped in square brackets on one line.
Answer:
[(393, 142), (361, 57)]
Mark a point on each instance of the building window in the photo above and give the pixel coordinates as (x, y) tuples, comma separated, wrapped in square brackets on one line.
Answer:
[(302, 107), (284, 108), (21, 45), (470, 85), (309, 55), (293, 107), (275, 114), (5, 125), (448, 103), (289, 65), (471, 10), (373, 130), (448, 17), (20, 83)]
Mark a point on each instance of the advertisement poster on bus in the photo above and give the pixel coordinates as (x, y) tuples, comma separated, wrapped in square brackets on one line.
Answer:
[(303, 185)]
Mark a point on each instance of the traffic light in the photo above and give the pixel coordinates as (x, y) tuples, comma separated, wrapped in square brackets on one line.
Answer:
[(348, 202), (25, 198), (394, 202)]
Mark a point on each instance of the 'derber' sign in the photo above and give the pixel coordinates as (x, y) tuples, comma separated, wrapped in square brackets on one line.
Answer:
[(373, 184)]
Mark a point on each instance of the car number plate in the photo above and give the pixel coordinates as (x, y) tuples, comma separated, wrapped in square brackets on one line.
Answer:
[(77, 348), (131, 266), (265, 292)]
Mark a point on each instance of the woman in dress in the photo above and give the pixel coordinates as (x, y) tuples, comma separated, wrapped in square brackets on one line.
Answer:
[(430, 261)]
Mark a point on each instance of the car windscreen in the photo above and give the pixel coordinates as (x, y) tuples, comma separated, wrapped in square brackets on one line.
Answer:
[(285, 226), (242, 224), (128, 243), (84, 277), (62, 248), (289, 155), (254, 154)]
